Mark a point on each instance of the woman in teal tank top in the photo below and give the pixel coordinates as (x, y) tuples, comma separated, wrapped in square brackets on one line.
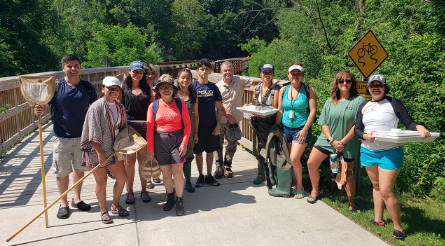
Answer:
[(297, 106)]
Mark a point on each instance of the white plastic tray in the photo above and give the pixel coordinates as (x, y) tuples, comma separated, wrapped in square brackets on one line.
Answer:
[(403, 136), (259, 110)]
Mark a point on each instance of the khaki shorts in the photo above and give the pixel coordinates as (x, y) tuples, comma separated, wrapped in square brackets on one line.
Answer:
[(67, 156)]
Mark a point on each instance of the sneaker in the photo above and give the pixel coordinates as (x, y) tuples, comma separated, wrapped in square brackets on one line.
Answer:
[(157, 181), (219, 172), (81, 205), (400, 235), (228, 172), (63, 213), (211, 180), (200, 181)]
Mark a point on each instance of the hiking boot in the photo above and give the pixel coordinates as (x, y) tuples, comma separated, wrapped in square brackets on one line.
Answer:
[(228, 172), (170, 202), (218, 172), (63, 213), (179, 206), (211, 180), (200, 181)]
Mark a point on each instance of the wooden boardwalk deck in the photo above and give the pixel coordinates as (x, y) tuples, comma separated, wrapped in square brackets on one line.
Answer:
[(20, 177)]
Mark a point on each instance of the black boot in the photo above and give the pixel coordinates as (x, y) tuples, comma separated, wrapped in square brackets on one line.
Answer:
[(179, 206), (187, 168), (273, 174), (170, 202), (260, 178)]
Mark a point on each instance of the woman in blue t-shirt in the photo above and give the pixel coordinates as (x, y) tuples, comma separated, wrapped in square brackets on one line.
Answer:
[(297, 106)]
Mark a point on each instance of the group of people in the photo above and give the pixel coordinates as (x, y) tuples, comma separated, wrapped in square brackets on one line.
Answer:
[(181, 119)]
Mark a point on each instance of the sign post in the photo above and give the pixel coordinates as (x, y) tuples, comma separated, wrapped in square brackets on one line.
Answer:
[(106, 60), (367, 54)]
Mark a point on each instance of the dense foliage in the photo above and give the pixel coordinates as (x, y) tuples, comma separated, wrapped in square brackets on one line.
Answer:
[(413, 33), (35, 34)]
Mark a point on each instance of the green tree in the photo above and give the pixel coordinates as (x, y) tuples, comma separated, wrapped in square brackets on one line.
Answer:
[(24, 28), (188, 32), (122, 45)]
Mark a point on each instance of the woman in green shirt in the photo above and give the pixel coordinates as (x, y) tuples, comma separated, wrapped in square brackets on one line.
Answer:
[(337, 120)]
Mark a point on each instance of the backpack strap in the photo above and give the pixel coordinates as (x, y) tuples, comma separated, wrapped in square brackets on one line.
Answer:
[(56, 93), (156, 106), (257, 91), (89, 87)]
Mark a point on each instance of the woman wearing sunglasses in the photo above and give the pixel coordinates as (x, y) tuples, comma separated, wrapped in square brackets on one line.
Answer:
[(383, 160), (337, 120), (104, 120)]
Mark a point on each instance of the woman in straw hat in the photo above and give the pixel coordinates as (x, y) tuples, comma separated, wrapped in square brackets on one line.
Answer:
[(104, 120)]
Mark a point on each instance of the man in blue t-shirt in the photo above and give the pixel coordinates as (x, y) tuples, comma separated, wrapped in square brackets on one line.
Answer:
[(209, 99), (70, 104)]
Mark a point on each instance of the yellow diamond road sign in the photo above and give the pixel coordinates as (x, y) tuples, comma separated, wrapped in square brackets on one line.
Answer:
[(368, 54)]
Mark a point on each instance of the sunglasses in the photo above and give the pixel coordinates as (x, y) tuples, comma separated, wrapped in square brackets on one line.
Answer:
[(379, 85), (113, 88), (341, 81), (166, 88)]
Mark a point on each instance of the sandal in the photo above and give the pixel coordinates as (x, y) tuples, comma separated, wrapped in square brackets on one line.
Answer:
[(129, 200), (378, 223), (314, 199), (352, 205), (119, 210), (146, 198), (105, 218), (294, 190)]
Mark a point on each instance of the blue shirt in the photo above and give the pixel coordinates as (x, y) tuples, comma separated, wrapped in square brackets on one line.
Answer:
[(207, 95), (70, 109)]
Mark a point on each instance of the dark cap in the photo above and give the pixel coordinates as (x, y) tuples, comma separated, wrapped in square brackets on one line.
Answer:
[(377, 77), (267, 66)]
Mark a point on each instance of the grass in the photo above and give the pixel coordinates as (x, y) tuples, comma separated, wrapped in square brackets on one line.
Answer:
[(422, 219)]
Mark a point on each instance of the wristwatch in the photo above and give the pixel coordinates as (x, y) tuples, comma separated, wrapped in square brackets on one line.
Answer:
[(330, 139)]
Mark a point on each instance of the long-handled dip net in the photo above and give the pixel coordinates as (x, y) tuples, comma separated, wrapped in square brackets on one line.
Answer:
[(39, 90), (128, 141)]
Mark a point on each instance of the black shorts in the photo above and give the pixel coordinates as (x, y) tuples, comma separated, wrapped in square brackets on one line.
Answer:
[(206, 141), (167, 147), (139, 126), (327, 152)]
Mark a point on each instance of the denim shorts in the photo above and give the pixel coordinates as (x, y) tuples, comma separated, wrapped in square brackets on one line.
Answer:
[(391, 159), (291, 134)]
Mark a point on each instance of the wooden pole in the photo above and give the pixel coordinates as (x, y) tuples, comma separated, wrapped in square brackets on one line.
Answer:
[(60, 197), (42, 169)]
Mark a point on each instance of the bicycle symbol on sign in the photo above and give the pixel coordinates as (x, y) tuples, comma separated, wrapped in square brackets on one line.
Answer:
[(367, 49)]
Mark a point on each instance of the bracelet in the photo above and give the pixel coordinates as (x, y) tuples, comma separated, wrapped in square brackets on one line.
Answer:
[(330, 142), (196, 133), (341, 143)]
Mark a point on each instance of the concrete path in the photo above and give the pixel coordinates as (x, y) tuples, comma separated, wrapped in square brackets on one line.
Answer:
[(236, 213)]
